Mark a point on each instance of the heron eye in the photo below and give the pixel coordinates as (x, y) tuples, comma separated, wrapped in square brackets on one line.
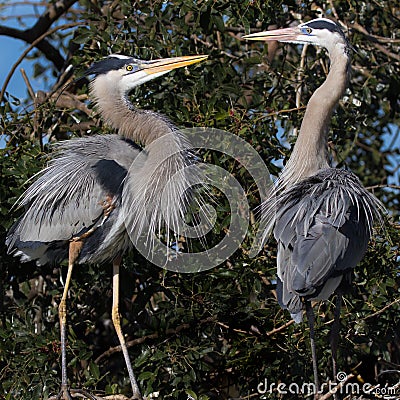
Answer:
[(129, 67), (307, 30)]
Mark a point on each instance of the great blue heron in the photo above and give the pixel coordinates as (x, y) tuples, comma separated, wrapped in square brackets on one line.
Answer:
[(74, 209), (321, 217)]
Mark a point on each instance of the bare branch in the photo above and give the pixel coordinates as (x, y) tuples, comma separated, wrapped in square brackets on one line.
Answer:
[(44, 46), (280, 328), (53, 12), (383, 186), (68, 100), (28, 84), (337, 388), (34, 43), (382, 309), (373, 38), (155, 335), (376, 40)]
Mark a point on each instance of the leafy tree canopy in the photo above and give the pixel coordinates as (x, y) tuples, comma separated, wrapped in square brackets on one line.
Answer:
[(220, 333)]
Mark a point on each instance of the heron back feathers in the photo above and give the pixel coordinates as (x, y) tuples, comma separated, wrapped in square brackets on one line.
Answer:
[(322, 225)]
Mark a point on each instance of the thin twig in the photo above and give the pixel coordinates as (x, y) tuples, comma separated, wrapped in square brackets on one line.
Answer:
[(383, 309), (28, 84), (337, 388), (334, 12), (280, 328), (44, 21), (285, 111), (383, 186), (154, 335), (356, 26)]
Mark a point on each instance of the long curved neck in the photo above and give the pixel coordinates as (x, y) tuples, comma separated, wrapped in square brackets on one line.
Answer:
[(143, 127), (310, 152), (157, 188)]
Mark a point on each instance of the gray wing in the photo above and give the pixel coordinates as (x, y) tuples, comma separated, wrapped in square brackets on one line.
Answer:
[(322, 228), (68, 196)]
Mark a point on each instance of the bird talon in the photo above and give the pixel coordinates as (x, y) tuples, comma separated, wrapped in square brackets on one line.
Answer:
[(68, 394), (64, 394)]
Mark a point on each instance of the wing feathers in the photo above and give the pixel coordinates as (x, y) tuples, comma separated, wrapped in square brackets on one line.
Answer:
[(322, 225), (68, 196)]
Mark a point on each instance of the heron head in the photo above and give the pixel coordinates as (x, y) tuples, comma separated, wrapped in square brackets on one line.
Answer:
[(320, 31), (124, 72)]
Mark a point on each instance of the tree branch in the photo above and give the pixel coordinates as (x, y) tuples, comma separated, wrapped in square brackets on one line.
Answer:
[(51, 53), (154, 335), (376, 40), (34, 43), (53, 12), (382, 309)]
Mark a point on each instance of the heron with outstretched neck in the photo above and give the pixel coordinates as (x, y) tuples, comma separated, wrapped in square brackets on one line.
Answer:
[(321, 217), (76, 207)]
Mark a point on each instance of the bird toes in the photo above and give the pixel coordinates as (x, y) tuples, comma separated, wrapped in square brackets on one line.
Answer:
[(70, 394)]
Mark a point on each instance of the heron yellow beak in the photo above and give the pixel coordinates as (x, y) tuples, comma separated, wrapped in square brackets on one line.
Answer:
[(168, 64), (286, 34)]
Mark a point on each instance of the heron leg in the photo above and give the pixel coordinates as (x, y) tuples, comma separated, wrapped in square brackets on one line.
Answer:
[(74, 250), (117, 326), (311, 321), (334, 338)]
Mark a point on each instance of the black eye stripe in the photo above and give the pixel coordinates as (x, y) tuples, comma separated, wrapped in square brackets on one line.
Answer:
[(106, 65), (323, 24), (330, 26)]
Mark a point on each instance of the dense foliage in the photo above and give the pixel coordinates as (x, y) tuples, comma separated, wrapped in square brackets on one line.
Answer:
[(220, 333)]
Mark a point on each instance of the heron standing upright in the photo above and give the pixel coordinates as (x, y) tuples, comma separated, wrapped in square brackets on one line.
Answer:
[(321, 217), (74, 208)]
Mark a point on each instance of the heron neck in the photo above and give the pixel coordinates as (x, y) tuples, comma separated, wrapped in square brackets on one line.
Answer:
[(117, 111), (156, 188), (310, 153)]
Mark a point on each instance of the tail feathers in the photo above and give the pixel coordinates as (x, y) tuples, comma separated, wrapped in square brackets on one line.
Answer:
[(297, 317), (289, 301)]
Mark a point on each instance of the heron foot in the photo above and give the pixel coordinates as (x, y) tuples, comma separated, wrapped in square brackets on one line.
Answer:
[(136, 396), (69, 394)]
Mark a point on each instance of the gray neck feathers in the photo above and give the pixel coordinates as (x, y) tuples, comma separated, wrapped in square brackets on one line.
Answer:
[(310, 151), (142, 127), (155, 188)]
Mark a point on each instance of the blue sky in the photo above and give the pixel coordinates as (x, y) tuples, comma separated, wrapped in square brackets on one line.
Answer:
[(11, 50)]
